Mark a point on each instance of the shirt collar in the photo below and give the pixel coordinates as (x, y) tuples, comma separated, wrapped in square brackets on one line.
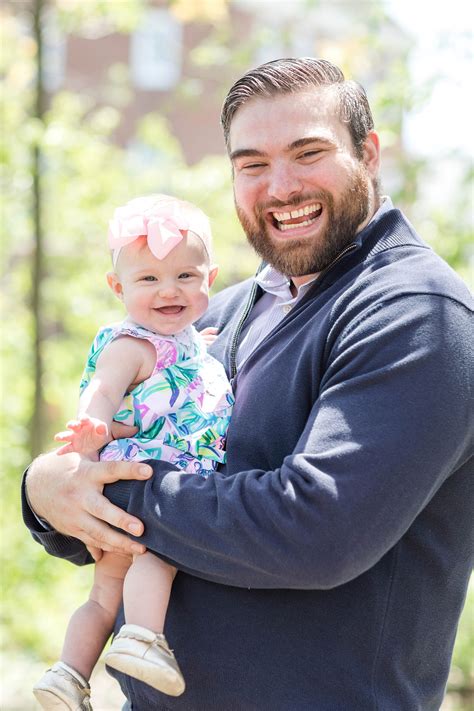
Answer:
[(274, 282)]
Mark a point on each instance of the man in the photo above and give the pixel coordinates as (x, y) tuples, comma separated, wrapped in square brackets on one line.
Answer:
[(326, 566)]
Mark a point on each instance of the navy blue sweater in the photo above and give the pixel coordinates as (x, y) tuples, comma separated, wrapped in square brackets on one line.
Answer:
[(325, 568)]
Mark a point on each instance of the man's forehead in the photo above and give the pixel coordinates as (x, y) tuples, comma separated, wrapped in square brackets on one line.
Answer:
[(285, 118), (323, 97)]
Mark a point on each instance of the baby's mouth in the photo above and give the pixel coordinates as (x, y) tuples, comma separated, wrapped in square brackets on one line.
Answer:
[(170, 310), (300, 217)]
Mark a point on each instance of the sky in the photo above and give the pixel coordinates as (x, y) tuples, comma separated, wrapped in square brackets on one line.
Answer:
[(443, 33)]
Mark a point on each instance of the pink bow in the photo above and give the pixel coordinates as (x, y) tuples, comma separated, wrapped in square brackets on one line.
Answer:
[(161, 224)]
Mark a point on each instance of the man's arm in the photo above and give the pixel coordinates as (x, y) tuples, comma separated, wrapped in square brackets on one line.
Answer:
[(66, 492), (391, 423)]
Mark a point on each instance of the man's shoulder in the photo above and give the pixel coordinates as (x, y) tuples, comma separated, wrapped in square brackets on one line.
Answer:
[(395, 261), (225, 304), (415, 270), (232, 292)]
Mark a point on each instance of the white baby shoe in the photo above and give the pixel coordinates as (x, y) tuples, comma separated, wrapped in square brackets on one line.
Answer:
[(145, 655), (62, 688)]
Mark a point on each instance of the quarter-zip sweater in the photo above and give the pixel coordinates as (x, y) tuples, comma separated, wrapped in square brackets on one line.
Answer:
[(325, 567)]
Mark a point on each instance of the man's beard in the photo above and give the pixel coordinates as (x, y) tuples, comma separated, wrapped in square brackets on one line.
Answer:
[(298, 257)]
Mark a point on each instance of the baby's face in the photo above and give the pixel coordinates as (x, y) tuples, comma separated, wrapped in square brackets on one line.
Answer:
[(164, 295)]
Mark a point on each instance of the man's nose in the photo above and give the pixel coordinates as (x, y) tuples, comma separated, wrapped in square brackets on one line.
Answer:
[(284, 183)]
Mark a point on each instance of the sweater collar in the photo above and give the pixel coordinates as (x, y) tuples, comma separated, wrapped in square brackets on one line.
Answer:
[(385, 206)]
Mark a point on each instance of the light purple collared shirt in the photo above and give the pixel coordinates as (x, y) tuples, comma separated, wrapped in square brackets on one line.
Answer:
[(269, 310)]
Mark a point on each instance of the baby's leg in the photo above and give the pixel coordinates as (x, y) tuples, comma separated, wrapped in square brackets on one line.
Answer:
[(146, 591), (140, 649), (92, 624)]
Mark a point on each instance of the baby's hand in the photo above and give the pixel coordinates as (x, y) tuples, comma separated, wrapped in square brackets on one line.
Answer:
[(121, 431), (209, 335), (85, 436)]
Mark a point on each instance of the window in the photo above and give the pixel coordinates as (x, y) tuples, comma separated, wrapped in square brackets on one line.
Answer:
[(54, 53), (155, 52)]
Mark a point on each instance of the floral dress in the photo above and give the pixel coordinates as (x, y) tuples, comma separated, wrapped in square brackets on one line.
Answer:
[(182, 410)]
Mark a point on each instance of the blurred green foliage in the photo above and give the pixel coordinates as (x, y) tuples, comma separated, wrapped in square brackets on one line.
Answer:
[(85, 175)]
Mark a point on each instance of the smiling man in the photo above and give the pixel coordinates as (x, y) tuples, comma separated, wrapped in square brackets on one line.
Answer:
[(301, 189), (325, 567)]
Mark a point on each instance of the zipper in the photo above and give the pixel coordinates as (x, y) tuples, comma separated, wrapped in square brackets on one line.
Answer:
[(235, 338), (251, 301), (346, 250)]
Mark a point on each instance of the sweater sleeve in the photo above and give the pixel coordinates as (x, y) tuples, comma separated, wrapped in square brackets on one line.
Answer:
[(54, 543), (391, 423)]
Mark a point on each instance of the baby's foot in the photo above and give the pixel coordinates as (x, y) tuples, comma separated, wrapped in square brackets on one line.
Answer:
[(62, 688), (86, 436), (141, 653)]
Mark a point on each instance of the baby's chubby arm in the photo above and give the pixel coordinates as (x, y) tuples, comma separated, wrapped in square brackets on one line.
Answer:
[(123, 364), (67, 491)]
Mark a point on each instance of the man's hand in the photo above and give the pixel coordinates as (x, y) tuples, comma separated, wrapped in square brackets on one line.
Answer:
[(67, 490)]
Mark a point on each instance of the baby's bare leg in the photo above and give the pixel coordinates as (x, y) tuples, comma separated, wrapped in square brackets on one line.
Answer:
[(146, 591), (92, 624)]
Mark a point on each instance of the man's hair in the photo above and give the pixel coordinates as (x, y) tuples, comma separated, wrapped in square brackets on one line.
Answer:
[(288, 76)]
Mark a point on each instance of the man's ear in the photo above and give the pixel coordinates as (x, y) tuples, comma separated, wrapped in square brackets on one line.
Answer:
[(371, 153), (115, 284), (213, 270)]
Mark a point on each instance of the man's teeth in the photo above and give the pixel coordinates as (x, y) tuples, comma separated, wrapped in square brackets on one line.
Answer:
[(292, 226), (281, 216)]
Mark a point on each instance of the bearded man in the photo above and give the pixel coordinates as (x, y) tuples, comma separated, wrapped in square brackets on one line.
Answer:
[(324, 568)]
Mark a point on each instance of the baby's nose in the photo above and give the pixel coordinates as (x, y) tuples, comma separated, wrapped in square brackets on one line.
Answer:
[(167, 291)]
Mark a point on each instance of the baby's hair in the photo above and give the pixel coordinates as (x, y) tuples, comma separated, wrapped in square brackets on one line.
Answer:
[(148, 215)]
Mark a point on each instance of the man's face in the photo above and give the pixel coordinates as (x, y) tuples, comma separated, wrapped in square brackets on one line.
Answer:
[(300, 191)]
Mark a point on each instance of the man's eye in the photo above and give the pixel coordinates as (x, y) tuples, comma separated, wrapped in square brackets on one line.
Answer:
[(310, 154), (253, 166)]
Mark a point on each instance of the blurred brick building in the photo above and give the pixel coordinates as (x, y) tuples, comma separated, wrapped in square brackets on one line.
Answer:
[(182, 70)]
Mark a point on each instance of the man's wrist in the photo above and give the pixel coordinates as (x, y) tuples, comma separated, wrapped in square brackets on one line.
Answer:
[(28, 505), (118, 493)]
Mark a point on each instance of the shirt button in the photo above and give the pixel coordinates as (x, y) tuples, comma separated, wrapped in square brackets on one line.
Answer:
[(287, 308)]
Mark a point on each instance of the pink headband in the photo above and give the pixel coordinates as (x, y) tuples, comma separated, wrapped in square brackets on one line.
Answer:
[(161, 220)]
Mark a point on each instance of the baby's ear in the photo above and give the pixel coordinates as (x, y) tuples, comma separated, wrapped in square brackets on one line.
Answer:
[(213, 271), (115, 284)]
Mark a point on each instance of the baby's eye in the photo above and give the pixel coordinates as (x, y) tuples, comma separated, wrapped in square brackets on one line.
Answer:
[(149, 278), (185, 275)]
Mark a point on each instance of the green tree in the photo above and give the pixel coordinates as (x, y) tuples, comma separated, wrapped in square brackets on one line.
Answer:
[(62, 175)]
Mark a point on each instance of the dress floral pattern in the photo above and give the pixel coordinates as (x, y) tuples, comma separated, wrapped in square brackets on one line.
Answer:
[(182, 410)]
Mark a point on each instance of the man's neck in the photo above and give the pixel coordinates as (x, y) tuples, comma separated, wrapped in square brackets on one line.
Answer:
[(296, 282)]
